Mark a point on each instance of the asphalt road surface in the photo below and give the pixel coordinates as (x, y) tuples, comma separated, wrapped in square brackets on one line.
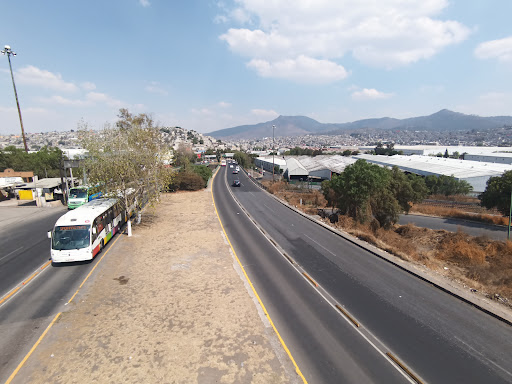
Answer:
[(495, 232), (438, 337), (24, 248), (24, 245)]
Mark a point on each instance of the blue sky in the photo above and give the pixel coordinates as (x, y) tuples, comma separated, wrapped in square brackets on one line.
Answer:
[(207, 65)]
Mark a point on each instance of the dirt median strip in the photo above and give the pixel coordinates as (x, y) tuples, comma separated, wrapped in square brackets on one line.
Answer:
[(166, 306)]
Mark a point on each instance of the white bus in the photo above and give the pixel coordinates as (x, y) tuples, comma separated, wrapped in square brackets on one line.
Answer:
[(81, 234)]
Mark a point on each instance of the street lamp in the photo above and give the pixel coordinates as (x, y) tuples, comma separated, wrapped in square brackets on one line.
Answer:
[(273, 165), (7, 51)]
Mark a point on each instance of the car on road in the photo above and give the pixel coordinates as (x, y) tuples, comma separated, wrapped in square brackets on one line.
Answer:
[(235, 170), (236, 183), (230, 165)]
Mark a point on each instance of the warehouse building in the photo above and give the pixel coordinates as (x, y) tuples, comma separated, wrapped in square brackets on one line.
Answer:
[(501, 158), (474, 172)]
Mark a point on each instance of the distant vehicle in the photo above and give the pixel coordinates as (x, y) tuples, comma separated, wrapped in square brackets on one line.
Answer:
[(236, 183), (235, 170), (78, 196), (82, 233), (230, 165), (223, 163)]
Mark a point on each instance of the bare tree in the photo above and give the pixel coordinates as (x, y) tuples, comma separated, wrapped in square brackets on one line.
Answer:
[(126, 160)]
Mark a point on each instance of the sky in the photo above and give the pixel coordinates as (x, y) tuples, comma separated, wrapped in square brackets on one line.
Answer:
[(207, 65)]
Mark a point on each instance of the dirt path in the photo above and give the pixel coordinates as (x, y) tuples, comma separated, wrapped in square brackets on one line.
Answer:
[(165, 306)]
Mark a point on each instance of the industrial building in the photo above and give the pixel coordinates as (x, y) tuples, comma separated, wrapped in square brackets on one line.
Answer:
[(433, 150), (315, 168), (474, 172)]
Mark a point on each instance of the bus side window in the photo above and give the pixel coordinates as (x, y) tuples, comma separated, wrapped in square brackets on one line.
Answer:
[(94, 235), (99, 224)]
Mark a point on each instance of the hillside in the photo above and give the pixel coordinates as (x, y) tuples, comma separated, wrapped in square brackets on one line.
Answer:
[(443, 120)]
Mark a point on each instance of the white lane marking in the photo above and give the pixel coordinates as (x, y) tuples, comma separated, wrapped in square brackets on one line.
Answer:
[(10, 253), (252, 193), (330, 302), (483, 357), (320, 245)]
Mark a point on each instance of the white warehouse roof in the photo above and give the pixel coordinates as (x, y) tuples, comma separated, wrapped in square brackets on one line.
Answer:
[(474, 172), (334, 163)]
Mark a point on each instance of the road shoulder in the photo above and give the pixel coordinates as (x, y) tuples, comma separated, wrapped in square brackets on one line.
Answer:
[(165, 305)]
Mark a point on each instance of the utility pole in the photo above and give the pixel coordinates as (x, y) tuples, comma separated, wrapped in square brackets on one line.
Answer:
[(7, 51), (273, 165), (509, 216)]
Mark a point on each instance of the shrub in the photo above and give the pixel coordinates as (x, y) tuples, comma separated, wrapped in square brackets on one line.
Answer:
[(203, 171), (187, 181)]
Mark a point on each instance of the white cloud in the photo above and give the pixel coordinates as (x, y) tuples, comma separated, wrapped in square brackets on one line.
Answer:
[(102, 98), (265, 114), (154, 87), (202, 111), (91, 99), (144, 3), (495, 49), (88, 86), (31, 75), (370, 94), (65, 101), (387, 33), (302, 70), (224, 104)]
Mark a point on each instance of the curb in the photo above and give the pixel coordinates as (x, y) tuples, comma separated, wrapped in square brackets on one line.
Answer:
[(483, 305)]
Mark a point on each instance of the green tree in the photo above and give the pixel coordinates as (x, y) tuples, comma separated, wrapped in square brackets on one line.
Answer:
[(126, 159), (365, 191), (203, 171), (497, 193), (44, 163), (389, 150), (407, 189), (384, 207), (354, 188), (447, 185), (347, 152), (243, 159)]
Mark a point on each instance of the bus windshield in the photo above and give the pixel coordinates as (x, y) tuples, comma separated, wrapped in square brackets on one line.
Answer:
[(71, 237), (78, 193)]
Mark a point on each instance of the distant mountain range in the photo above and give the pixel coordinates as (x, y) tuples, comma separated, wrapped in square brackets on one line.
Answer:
[(443, 120)]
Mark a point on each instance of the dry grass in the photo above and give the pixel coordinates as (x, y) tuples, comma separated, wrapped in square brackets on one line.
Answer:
[(457, 213), (475, 262)]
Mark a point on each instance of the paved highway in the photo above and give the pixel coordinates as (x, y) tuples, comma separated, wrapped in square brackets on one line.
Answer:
[(441, 339), (451, 224), (26, 314), (24, 245), (324, 344)]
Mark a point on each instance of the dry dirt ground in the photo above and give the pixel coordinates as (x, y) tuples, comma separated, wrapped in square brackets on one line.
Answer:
[(167, 305)]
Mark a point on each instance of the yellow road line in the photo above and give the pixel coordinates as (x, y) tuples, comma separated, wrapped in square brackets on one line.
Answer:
[(6, 297), (401, 365), (32, 349), (10, 294), (310, 279), (56, 317), (257, 296), (340, 308), (30, 278)]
